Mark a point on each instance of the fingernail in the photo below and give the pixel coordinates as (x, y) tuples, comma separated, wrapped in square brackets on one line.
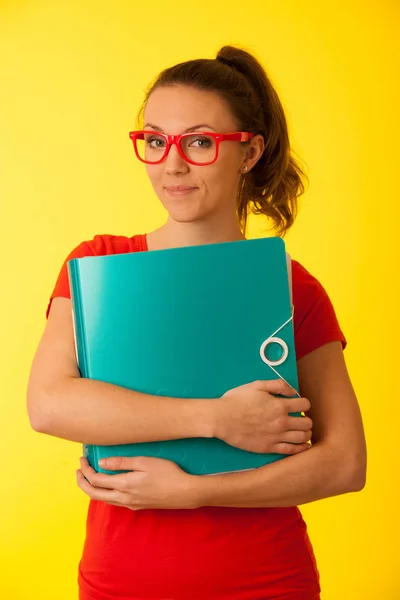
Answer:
[(103, 462)]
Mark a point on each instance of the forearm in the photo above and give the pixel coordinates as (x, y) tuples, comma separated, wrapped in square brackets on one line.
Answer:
[(95, 412), (320, 472)]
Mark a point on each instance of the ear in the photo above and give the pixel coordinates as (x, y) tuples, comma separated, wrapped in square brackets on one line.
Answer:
[(253, 153)]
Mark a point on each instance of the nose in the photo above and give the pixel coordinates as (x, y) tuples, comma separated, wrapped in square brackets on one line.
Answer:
[(174, 163)]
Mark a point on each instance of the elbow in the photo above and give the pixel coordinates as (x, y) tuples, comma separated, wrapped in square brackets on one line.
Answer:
[(354, 475), (38, 412), (38, 420), (358, 478), (346, 468), (38, 423)]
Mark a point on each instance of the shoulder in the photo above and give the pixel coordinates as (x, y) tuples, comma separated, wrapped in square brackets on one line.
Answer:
[(103, 244), (315, 319), (99, 245), (308, 291), (306, 287)]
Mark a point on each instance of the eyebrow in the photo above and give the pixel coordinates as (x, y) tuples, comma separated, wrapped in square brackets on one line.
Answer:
[(202, 126)]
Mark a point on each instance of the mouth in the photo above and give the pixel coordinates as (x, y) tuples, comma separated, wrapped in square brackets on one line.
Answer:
[(180, 190)]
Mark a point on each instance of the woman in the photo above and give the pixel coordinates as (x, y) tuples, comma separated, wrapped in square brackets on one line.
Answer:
[(155, 531)]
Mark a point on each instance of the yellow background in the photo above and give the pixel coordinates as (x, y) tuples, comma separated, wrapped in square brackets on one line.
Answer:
[(72, 78)]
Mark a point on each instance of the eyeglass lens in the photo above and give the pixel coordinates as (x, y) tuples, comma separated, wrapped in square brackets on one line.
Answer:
[(196, 147)]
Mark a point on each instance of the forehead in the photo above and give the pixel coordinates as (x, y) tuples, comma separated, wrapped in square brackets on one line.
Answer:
[(178, 108)]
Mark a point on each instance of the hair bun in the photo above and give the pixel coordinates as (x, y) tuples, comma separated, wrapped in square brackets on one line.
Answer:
[(226, 61)]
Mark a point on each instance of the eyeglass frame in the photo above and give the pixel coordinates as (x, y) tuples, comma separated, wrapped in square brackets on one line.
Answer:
[(237, 136)]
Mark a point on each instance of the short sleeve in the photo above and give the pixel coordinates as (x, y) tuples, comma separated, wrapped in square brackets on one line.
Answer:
[(100, 245), (315, 320), (61, 288)]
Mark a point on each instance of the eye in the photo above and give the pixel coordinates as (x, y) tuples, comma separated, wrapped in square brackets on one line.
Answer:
[(155, 141), (201, 141)]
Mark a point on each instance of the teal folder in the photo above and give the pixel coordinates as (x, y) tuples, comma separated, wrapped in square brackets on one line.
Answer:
[(189, 322)]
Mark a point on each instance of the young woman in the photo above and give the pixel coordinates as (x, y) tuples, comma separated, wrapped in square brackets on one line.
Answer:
[(215, 147)]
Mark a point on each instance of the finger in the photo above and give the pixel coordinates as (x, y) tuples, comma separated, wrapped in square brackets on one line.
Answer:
[(297, 404), (122, 463), (96, 493), (132, 463), (298, 423), (275, 386), (96, 479), (296, 437), (86, 469), (109, 482), (285, 448)]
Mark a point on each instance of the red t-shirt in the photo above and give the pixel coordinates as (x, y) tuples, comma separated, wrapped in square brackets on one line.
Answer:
[(211, 553)]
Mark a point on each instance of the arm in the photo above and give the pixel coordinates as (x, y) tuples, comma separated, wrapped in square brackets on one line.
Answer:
[(62, 404), (336, 463)]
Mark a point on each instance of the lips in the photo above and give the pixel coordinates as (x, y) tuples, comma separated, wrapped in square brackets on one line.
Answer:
[(180, 190)]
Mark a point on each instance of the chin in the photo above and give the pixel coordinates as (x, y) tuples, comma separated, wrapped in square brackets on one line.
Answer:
[(186, 218), (184, 214)]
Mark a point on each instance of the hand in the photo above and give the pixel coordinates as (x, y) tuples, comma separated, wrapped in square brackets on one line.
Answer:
[(250, 418), (151, 483)]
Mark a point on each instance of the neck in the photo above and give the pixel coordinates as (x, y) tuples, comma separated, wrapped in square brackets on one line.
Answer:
[(174, 235)]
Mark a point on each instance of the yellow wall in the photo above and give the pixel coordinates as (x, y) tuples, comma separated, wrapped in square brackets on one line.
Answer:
[(71, 79)]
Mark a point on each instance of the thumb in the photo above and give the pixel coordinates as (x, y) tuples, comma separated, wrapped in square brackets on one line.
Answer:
[(121, 463)]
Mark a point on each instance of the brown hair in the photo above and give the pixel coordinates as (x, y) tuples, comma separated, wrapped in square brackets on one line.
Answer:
[(274, 184)]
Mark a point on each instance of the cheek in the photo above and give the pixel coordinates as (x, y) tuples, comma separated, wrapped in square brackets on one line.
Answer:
[(228, 162), (154, 174), (222, 177)]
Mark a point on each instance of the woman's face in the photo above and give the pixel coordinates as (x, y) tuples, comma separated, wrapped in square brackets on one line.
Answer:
[(210, 190)]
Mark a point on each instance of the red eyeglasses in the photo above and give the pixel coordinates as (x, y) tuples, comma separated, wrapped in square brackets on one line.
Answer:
[(199, 148)]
